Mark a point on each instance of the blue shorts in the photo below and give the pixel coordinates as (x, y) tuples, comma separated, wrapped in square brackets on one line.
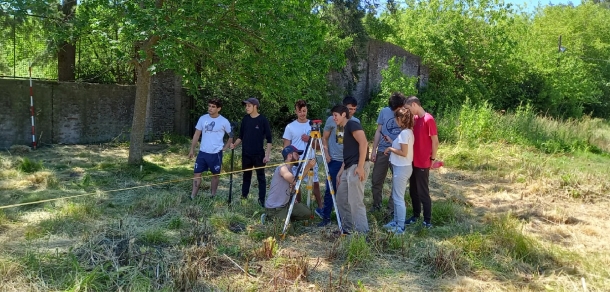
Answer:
[(207, 161)]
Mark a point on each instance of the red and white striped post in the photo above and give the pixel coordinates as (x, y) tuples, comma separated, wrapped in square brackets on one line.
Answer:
[(32, 110)]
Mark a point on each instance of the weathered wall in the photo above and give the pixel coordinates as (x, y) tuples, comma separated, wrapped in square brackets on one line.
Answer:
[(362, 80), (80, 113)]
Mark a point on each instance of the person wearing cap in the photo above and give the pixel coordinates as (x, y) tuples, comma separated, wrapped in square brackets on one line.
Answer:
[(297, 134), (254, 130), (282, 183), (212, 128)]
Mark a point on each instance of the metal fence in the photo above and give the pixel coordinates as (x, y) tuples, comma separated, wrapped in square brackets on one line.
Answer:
[(22, 43), (29, 41)]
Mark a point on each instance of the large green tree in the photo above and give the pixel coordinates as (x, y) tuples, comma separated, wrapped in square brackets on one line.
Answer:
[(277, 48)]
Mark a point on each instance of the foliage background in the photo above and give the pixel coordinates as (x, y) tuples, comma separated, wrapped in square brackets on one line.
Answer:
[(485, 51)]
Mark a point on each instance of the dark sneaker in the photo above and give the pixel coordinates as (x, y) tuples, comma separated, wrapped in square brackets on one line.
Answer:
[(341, 232), (323, 223), (374, 209), (318, 212), (411, 220), (427, 225)]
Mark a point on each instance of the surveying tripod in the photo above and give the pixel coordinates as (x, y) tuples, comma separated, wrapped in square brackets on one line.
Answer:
[(310, 151)]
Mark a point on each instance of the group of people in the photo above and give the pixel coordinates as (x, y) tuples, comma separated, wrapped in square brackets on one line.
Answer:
[(405, 142)]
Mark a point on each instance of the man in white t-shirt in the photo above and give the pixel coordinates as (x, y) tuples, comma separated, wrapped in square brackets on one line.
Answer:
[(212, 128), (297, 134)]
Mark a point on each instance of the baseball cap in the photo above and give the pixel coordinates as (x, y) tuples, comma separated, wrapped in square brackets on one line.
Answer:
[(252, 101), (289, 149)]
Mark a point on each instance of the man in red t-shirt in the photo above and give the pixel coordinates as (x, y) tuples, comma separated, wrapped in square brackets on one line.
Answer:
[(424, 154)]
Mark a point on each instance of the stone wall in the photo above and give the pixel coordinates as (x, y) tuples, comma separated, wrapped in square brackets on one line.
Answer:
[(364, 78), (81, 113)]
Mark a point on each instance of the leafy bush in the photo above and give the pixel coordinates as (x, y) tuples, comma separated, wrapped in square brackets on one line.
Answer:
[(393, 81), (29, 166)]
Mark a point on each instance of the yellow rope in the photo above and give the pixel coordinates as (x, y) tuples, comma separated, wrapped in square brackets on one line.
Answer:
[(136, 187)]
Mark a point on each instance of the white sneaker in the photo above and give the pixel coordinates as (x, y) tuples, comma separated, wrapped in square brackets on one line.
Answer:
[(390, 225)]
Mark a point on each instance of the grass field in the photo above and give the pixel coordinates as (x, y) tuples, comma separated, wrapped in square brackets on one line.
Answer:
[(507, 215)]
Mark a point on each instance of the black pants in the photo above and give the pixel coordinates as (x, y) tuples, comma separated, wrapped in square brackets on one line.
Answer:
[(249, 161), (420, 193)]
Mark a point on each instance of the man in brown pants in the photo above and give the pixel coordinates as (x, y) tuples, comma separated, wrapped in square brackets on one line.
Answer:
[(387, 131)]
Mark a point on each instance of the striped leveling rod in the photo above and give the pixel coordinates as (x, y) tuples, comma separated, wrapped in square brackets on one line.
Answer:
[(32, 111)]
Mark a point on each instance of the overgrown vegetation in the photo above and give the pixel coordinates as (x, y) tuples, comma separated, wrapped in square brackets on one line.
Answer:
[(491, 231)]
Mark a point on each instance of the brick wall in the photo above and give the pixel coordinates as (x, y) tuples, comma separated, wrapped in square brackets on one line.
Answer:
[(363, 79), (81, 113)]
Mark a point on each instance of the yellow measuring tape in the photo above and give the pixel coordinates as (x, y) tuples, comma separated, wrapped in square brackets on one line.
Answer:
[(137, 187)]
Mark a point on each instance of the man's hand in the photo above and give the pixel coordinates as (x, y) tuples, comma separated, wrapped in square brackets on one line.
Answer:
[(266, 159), (327, 157), (305, 138), (373, 156), (339, 178), (232, 146), (359, 171), (312, 162), (191, 154)]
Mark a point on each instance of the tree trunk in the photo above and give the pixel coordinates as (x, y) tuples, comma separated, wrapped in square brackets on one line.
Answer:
[(138, 127), (66, 55)]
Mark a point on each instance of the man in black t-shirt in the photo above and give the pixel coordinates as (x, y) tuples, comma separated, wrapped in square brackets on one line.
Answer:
[(353, 173), (253, 131)]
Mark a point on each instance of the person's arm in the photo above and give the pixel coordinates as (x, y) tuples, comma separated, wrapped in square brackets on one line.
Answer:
[(286, 137), (339, 174), (194, 143), (235, 144), (289, 176), (241, 134), (404, 148), (229, 142), (269, 137), (267, 153), (229, 132), (362, 145), (403, 151), (325, 137), (434, 146), (376, 143)]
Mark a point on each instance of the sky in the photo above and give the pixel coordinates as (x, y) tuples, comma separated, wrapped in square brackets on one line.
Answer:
[(531, 4)]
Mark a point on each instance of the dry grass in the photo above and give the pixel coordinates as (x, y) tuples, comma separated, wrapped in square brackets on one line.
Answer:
[(506, 218)]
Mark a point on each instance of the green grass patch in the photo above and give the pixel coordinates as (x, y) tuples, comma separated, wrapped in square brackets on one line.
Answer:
[(479, 123), (155, 236), (29, 166), (356, 250)]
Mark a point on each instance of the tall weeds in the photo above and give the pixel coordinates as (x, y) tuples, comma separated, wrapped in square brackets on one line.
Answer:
[(479, 123)]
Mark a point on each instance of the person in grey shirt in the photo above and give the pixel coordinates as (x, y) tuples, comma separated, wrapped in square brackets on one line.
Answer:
[(387, 131), (332, 139), (282, 182)]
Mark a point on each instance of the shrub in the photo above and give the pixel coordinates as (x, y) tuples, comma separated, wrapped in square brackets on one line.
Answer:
[(29, 166)]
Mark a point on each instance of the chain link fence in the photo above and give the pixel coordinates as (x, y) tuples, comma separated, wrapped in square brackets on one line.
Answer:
[(23, 43), (28, 41)]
